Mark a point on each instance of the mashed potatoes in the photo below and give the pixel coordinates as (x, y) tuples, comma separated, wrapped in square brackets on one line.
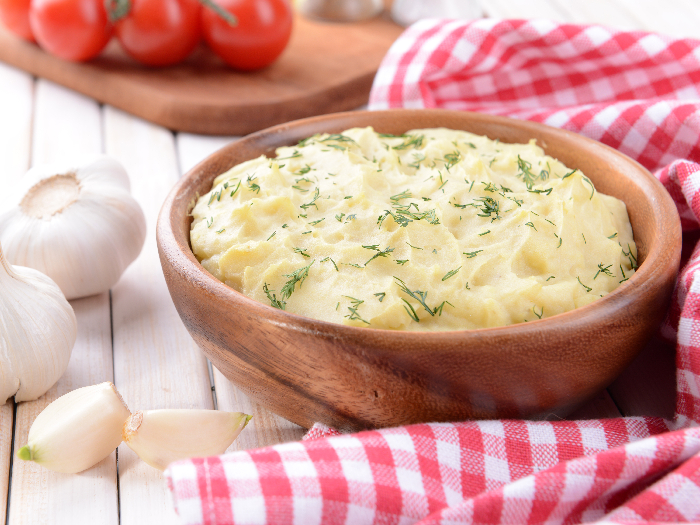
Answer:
[(432, 230)]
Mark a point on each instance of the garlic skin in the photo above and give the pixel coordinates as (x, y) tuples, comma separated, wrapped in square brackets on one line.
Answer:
[(160, 437), (77, 430), (38, 329), (80, 226)]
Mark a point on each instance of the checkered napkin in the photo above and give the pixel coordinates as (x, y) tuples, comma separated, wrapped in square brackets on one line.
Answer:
[(637, 92)]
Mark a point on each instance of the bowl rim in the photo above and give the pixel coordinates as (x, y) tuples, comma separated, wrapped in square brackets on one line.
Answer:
[(170, 244)]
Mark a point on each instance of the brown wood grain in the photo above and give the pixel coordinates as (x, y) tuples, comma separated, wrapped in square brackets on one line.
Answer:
[(352, 378), (327, 67)]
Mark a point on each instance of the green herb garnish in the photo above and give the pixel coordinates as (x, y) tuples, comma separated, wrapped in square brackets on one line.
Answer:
[(297, 276), (277, 303), (450, 273)]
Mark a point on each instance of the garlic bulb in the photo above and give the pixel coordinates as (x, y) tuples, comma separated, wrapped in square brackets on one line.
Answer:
[(77, 430), (160, 437), (38, 329), (79, 226)]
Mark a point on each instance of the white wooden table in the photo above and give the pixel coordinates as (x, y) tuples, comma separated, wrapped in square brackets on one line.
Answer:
[(133, 335)]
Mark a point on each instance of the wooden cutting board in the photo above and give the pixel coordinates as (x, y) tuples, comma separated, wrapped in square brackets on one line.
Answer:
[(327, 67)]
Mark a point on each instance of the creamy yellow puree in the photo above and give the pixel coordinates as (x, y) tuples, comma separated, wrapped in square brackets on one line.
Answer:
[(433, 230)]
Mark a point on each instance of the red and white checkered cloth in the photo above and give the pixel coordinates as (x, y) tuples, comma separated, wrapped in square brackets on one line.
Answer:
[(637, 92)]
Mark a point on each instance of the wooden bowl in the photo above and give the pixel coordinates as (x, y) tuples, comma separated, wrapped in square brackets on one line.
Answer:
[(354, 378)]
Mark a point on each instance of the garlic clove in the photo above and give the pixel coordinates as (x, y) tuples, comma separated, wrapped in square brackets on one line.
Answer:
[(77, 430), (78, 225), (38, 329), (160, 437)]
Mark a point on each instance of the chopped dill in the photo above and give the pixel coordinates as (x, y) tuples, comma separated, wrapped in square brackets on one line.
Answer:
[(252, 186), (525, 171), (294, 155), (471, 255), (417, 295), (233, 192), (632, 258), (312, 202), (331, 260), (410, 311), (588, 288), (490, 208), (215, 195), (586, 179), (277, 303), (451, 159), (405, 194), (451, 273), (410, 141), (603, 269), (297, 276), (417, 159), (438, 309), (380, 296), (380, 253), (354, 305)]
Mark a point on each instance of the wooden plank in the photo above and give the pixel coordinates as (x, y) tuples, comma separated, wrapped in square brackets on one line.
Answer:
[(604, 12), (6, 428), (525, 9), (15, 127), (266, 428), (157, 365), (601, 406), (670, 18), (192, 149), (67, 126), (15, 141)]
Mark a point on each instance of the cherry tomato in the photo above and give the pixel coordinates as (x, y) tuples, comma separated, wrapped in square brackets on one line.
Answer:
[(70, 29), (260, 35), (14, 16), (160, 32)]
